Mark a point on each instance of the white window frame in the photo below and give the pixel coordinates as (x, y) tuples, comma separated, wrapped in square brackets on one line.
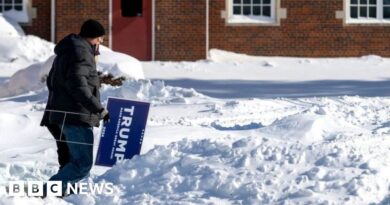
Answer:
[(12, 4), (23, 16), (366, 20), (251, 19)]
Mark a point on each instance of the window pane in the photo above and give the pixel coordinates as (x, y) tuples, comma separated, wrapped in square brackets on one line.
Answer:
[(7, 8), (373, 2), (1, 8), (354, 1), (386, 2), (256, 10), (131, 8), (372, 12), (8, 1), (363, 12), (354, 12), (266, 1), (237, 10), (18, 8), (267, 11), (237, 1), (386, 12), (247, 10), (256, 1), (363, 2), (247, 1), (1, 1)]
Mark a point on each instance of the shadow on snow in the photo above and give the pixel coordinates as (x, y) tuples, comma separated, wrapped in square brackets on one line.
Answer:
[(275, 89)]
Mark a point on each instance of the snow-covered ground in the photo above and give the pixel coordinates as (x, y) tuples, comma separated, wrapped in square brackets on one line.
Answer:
[(233, 129)]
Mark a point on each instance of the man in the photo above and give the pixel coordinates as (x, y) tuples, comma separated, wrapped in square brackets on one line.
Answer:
[(73, 107)]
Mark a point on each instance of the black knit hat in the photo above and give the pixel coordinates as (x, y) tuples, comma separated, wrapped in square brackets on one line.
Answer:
[(92, 29)]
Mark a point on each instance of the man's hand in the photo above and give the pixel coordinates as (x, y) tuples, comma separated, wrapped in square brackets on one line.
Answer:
[(105, 115)]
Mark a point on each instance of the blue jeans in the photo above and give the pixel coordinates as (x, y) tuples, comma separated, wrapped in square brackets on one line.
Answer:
[(80, 155)]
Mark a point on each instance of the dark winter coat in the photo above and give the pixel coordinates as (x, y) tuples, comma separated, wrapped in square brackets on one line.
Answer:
[(73, 84)]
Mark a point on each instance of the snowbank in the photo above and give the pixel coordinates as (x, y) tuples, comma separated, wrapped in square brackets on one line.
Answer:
[(155, 92), (18, 51), (9, 27), (223, 56), (28, 59), (228, 71), (33, 77), (24, 81), (342, 163), (119, 64), (251, 170), (17, 48)]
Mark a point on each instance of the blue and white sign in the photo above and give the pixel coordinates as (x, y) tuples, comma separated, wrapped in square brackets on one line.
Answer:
[(122, 136)]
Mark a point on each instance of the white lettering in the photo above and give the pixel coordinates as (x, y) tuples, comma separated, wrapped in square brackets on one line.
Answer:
[(72, 188), (83, 188), (121, 146), (119, 157), (109, 188), (124, 133), (126, 121), (54, 188), (97, 188), (130, 110)]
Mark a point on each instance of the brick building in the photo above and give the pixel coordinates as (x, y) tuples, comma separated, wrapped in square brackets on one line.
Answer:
[(186, 29)]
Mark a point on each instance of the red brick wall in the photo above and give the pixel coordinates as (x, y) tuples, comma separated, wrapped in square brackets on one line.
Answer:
[(310, 30), (70, 15), (40, 26), (180, 29)]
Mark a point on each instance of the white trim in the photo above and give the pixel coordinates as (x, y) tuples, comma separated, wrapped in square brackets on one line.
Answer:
[(110, 24), (21, 16), (52, 21), (379, 9), (251, 19), (207, 28), (153, 30), (13, 4), (365, 20)]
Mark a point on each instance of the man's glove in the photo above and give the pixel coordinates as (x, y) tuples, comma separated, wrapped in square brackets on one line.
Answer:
[(105, 115)]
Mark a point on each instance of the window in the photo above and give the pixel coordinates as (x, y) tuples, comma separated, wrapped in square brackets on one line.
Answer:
[(8, 5), (252, 11), (131, 8), (369, 11), (252, 7)]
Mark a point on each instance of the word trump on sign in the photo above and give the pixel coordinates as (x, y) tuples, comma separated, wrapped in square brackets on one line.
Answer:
[(121, 138), (124, 133)]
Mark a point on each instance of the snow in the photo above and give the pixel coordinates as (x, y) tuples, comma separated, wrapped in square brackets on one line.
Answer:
[(234, 129), (240, 19), (9, 27), (119, 64), (33, 77), (17, 50)]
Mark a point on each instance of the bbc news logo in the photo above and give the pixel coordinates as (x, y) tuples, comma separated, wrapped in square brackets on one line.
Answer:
[(54, 188)]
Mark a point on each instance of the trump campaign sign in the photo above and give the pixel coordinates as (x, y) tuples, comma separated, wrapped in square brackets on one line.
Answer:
[(122, 136)]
